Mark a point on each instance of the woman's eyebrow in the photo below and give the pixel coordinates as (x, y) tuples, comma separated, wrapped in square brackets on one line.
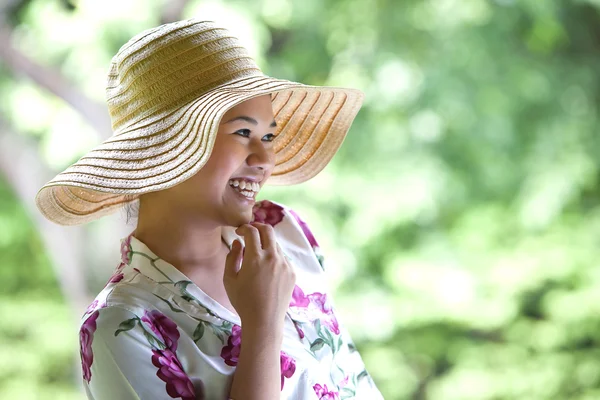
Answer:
[(250, 120)]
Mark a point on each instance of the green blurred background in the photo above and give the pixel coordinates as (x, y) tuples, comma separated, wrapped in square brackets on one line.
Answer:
[(459, 221)]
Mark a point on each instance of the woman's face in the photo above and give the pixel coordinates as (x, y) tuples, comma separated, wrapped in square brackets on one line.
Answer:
[(243, 152)]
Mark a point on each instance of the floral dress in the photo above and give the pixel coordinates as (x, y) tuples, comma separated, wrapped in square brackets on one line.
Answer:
[(153, 334)]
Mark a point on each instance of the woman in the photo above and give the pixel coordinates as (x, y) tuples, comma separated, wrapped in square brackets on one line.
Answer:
[(198, 130)]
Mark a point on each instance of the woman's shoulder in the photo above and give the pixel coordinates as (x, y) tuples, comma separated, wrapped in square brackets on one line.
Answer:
[(292, 232), (283, 219), (130, 295)]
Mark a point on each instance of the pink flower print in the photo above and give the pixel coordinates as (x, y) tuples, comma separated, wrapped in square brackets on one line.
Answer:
[(126, 250), (307, 232), (86, 336), (92, 307), (343, 382), (320, 300), (298, 329), (231, 352), (298, 298), (171, 371), (324, 394), (315, 306), (267, 213), (288, 366), (116, 278), (165, 329)]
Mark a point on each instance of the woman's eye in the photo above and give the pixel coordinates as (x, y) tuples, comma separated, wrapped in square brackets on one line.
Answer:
[(269, 137), (243, 132)]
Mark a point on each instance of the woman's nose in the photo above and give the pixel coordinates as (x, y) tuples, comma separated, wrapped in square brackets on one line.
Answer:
[(261, 156)]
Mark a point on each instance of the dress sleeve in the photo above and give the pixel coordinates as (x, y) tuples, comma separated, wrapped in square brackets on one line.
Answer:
[(355, 383), (306, 231), (125, 356)]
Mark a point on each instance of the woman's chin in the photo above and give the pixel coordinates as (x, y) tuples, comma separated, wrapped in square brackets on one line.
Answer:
[(240, 217), (239, 208)]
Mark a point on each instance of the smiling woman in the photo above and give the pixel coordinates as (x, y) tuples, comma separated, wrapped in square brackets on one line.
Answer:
[(198, 131)]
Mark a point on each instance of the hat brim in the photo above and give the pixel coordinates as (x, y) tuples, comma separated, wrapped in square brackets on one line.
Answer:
[(168, 147)]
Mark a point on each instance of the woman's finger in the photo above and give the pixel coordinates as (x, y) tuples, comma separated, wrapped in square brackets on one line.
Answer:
[(251, 238), (233, 261), (267, 236)]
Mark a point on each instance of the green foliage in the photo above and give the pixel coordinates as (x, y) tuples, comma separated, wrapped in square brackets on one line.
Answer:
[(25, 266), (37, 357), (37, 337), (459, 221)]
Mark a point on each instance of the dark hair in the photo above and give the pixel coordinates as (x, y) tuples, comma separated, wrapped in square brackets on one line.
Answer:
[(131, 207)]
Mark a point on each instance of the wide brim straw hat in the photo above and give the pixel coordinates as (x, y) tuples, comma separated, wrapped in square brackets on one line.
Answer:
[(167, 89)]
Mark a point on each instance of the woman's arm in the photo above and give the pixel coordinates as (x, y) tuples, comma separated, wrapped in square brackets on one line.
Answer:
[(257, 375), (260, 290)]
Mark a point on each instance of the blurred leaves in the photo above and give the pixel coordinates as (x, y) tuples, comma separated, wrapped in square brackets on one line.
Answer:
[(25, 267), (37, 337)]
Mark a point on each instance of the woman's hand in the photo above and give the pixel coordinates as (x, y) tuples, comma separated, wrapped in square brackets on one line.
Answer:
[(261, 290)]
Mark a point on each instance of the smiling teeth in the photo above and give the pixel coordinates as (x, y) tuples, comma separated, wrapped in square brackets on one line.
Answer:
[(245, 187)]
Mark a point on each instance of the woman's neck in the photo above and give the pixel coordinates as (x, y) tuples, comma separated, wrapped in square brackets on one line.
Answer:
[(183, 242)]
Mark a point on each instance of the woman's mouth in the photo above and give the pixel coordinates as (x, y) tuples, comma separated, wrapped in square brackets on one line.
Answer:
[(247, 189)]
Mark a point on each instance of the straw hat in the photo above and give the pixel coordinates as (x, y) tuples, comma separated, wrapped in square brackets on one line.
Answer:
[(167, 89)]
